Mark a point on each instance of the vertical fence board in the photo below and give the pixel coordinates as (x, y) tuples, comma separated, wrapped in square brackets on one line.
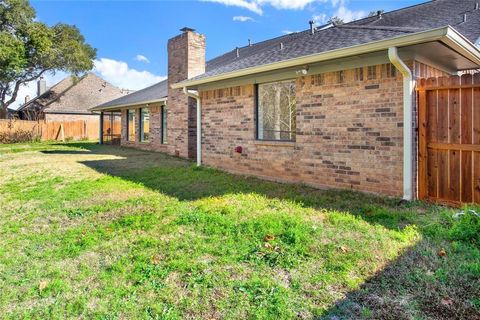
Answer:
[(442, 111), (454, 111), (476, 110), (476, 176), (454, 175), (422, 140), (467, 176), (466, 110), (432, 173), (443, 174)]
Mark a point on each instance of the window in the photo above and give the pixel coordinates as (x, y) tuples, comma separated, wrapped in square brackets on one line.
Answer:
[(276, 111), (372, 72), (359, 74), (164, 125), (340, 76), (131, 125), (144, 125)]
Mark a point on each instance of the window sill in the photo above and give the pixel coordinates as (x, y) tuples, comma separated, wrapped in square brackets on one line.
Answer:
[(273, 143)]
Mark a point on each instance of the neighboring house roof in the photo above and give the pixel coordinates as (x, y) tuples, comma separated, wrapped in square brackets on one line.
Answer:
[(155, 93), (75, 96)]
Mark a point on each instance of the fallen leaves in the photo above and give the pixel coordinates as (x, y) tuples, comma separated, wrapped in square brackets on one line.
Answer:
[(156, 260), (268, 238), (442, 252), (447, 301), (268, 246), (42, 285)]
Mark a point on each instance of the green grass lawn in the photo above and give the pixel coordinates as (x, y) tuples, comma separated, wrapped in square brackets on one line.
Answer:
[(111, 233)]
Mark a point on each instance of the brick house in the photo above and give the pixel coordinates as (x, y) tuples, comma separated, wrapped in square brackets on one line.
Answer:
[(69, 100), (330, 107)]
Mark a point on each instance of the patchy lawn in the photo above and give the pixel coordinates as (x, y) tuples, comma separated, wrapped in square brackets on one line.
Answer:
[(105, 232)]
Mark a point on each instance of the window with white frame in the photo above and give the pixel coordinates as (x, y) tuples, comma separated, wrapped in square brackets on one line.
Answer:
[(276, 111)]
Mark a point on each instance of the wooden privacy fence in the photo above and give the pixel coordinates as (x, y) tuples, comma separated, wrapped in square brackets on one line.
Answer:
[(449, 138), (75, 130)]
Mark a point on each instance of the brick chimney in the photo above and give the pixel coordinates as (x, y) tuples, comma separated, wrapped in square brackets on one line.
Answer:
[(186, 59), (41, 86)]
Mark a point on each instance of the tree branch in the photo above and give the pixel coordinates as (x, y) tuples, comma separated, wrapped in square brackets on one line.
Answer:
[(5, 104)]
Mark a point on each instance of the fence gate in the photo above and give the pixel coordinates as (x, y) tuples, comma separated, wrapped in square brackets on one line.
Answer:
[(449, 138)]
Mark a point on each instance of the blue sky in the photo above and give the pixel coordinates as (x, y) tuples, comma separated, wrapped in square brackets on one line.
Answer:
[(122, 31)]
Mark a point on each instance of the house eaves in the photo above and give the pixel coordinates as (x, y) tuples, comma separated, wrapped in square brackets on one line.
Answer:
[(447, 35), (132, 105)]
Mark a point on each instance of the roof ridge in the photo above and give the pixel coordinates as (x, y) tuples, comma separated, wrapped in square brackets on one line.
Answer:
[(393, 11), (388, 28)]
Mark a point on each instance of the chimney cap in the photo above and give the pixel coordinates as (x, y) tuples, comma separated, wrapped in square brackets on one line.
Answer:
[(187, 29)]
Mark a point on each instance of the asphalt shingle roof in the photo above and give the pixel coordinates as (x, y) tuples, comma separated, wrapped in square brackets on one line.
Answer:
[(422, 17), (75, 95), (157, 91)]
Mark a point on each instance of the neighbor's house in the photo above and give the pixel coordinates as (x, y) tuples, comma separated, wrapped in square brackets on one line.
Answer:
[(329, 107), (69, 100)]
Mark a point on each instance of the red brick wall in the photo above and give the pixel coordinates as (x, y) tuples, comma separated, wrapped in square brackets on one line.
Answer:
[(349, 133), (154, 143), (186, 59)]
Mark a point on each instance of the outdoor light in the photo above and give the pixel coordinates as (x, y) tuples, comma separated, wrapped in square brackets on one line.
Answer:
[(302, 71)]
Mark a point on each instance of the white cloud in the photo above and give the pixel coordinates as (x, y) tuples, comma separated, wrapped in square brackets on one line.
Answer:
[(288, 31), (242, 18), (256, 5), (121, 75), (249, 5), (320, 19), (348, 15), (142, 58), (287, 4)]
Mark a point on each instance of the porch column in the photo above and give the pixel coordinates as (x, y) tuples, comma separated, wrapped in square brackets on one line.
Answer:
[(100, 131)]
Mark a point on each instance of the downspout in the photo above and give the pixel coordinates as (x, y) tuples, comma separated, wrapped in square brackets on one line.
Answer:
[(199, 124), (407, 121)]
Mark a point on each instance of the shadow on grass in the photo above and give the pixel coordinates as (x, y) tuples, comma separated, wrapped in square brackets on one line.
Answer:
[(183, 180), (418, 284)]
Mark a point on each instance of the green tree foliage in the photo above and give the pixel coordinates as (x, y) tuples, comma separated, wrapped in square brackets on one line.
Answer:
[(336, 20), (375, 13), (29, 48)]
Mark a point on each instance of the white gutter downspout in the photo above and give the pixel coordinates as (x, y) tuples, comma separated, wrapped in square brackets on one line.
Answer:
[(407, 121), (199, 124)]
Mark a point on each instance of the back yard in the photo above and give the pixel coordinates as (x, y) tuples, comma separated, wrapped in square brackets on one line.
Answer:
[(103, 232)]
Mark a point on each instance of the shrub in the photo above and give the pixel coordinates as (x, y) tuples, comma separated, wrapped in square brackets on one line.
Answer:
[(466, 227), (17, 136)]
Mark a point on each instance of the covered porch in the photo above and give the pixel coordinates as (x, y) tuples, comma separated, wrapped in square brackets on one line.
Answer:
[(138, 119)]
